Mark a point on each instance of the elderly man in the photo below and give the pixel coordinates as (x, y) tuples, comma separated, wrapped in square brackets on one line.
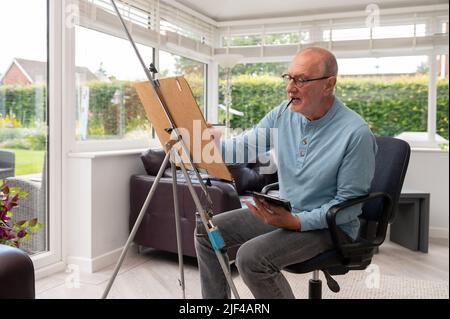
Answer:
[(325, 154)]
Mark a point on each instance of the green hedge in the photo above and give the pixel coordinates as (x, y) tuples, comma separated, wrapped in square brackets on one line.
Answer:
[(255, 96), (389, 107), (394, 106), (105, 111), (27, 103), (114, 107)]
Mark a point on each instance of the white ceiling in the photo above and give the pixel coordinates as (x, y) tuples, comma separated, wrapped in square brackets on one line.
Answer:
[(228, 10)]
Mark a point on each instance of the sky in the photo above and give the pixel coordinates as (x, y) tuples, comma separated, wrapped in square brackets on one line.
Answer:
[(23, 35), (29, 41), (117, 55), (22, 31)]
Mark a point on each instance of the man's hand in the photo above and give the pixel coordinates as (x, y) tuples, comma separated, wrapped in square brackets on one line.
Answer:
[(273, 215), (216, 133)]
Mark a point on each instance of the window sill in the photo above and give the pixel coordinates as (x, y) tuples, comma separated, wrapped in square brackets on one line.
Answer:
[(99, 154), (110, 147), (428, 150), (421, 142)]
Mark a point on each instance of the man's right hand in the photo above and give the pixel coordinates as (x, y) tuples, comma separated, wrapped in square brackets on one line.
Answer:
[(215, 132)]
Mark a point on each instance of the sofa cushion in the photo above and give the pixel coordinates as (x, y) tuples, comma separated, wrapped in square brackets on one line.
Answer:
[(152, 160)]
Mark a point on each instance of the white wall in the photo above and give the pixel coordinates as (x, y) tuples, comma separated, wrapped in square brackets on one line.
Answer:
[(96, 214), (428, 172)]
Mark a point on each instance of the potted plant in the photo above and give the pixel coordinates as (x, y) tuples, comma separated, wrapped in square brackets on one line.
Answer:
[(13, 232)]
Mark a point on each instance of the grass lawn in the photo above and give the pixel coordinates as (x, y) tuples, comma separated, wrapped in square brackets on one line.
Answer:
[(28, 162)]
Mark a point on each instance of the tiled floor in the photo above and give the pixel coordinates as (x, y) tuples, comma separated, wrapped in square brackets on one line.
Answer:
[(155, 274)]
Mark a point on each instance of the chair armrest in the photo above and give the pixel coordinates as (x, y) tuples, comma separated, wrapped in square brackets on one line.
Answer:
[(344, 249), (270, 187)]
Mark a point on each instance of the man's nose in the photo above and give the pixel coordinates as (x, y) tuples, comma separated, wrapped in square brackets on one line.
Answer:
[(291, 87)]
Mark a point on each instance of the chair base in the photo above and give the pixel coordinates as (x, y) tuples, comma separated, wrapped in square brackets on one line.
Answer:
[(315, 289)]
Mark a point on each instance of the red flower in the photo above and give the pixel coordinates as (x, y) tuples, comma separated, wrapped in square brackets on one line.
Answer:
[(22, 233)]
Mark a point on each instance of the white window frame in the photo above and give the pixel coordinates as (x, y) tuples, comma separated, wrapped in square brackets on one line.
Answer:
[(51, 261), (433, 16), (69, 94), (76, 146)]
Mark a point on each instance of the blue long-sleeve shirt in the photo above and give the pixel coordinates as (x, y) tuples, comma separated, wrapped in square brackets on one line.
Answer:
[(320, 163)]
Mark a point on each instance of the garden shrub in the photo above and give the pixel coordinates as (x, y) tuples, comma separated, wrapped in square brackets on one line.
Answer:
[(389, 107)]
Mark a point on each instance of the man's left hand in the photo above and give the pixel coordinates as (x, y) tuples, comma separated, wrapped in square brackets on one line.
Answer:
[(273, 215)]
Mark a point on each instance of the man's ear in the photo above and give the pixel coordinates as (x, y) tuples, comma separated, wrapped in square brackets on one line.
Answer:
[(330, 85)]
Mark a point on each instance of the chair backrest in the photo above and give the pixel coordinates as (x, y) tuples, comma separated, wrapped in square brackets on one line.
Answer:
[(391, 163)]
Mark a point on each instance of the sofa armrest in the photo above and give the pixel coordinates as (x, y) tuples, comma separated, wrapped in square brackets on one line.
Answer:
[(157, 229), (223, 196), (16, 274)]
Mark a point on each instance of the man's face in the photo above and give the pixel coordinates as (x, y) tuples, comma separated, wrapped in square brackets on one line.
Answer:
[(307, 98)]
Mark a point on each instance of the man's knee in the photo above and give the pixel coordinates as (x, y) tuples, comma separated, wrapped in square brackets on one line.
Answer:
[(247, 259)]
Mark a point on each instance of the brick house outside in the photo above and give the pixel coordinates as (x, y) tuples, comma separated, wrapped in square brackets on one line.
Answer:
[(28, 72)]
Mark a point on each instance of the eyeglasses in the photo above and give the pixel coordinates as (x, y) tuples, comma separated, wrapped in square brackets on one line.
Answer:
[(300, 82)]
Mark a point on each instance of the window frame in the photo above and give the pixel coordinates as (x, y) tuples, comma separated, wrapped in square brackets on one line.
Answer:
[(51, 260), (119, 144)]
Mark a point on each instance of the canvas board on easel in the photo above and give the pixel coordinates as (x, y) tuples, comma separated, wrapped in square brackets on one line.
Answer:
[(187, 118)]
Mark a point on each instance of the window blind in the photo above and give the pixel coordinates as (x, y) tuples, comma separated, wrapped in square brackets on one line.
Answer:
[(152, 21)]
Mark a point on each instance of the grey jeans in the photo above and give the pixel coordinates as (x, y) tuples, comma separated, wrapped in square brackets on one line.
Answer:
[(264, 251)]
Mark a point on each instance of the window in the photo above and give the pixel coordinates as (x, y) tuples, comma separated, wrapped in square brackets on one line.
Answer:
[(390, 93), (256, 89), (107, 105), (269, 39), (286, 38), (401, 31), (346, 34), (244, 40), (193, 71), (381, 32), (108, 112), (23, 112)]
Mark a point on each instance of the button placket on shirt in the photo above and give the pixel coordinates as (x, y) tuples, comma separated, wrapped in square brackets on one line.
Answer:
[(304, 143), (302, 150)]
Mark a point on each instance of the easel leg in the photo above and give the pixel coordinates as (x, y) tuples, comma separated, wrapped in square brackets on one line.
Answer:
[(203, 215), (177, 224), (136, 225)]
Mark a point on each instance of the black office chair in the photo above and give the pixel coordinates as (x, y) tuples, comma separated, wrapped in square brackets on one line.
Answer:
[(378, 210)]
